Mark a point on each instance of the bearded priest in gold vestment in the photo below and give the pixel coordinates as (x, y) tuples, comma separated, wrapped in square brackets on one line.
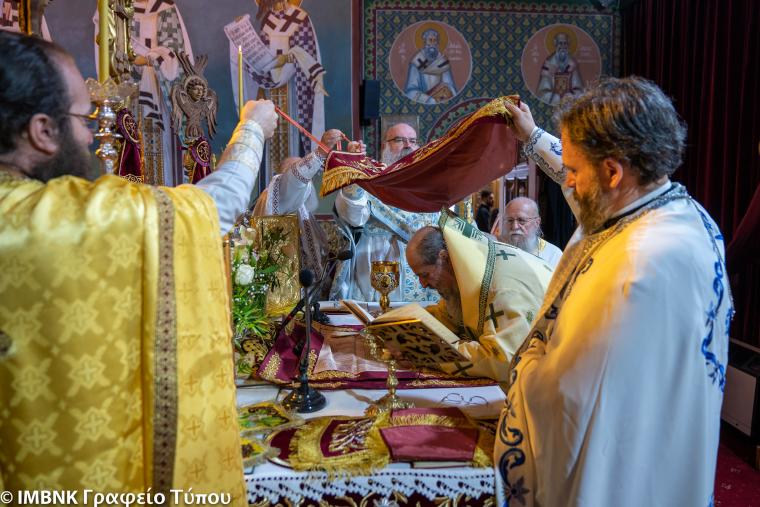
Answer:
[(115, 347)]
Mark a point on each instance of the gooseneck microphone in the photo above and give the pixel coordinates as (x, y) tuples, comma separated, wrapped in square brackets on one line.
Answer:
[(317, 314), (306, 278), (304, 398)]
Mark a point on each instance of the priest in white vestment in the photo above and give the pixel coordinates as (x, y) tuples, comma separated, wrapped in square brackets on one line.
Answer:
[(521, 227), (292, 191), (615, 396), (379, 232)]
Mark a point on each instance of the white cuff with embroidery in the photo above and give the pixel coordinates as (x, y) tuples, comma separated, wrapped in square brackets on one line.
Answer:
[(230, 186)]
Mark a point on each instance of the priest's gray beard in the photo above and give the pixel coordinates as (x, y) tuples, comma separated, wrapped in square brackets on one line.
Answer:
[(388, 157), (454, 308), (562, 57), (527, 243), (594, 209)]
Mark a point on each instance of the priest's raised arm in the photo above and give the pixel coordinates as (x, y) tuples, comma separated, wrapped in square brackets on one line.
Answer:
[(230, 186), (541, 147)]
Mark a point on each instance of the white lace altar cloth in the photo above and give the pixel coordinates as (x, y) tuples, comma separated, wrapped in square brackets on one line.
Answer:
[(432, 483), (278, 483)]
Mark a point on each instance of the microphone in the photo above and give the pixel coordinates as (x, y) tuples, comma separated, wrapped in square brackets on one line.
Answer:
[(305, 278), (316, 292)]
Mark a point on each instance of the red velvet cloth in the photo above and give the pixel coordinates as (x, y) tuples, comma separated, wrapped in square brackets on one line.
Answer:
[(474, 152), (430, 442), (199, 161)]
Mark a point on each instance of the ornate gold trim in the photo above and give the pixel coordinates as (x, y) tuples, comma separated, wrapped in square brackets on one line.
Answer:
[(430, 420), (343, 175), (306, 453), (165, 351), (451, 383), (270, 370)]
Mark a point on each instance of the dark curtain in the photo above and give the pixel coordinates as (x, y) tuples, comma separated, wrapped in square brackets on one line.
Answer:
[(705, 54), (557, 221)]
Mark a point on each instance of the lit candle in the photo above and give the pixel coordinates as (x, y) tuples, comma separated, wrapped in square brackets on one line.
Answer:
[(240, 82), (103, 56)]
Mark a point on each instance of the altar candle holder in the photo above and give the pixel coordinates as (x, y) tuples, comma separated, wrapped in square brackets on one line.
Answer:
[(384, 277), (109, 98)]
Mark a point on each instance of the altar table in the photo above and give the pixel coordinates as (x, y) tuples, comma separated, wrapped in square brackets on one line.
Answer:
[(397, 484)]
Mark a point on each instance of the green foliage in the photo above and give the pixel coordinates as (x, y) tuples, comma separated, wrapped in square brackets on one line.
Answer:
[(254, 273)]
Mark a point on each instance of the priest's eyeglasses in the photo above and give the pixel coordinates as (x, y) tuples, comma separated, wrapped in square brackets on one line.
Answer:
[(459, 399), (522, 222), (403, 140), (90, 120)]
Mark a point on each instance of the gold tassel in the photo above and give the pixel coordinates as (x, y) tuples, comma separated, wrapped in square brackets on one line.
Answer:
[(482, 457), (430, 420), (340, 176)]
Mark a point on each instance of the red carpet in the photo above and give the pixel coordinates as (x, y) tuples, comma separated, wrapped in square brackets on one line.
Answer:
[(737, 484)]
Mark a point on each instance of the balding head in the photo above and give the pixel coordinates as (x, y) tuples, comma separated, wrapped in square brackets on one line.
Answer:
[(524, 204), (521, 225), (427, 256), (426, 244)]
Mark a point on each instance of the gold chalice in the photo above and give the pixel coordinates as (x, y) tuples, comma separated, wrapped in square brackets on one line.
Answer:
[(384, 279)]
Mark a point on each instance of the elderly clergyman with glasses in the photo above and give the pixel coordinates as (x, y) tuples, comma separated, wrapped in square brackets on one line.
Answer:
[(521, 227), (379, 232)]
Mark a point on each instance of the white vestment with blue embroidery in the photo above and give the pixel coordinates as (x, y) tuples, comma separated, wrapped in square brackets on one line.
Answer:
[(384, 234), (614, 398)]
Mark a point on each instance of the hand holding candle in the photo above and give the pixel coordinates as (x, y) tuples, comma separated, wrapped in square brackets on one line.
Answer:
[(241, 100)]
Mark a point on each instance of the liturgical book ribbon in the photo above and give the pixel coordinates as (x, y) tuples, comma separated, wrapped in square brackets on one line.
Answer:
[(473, 152)]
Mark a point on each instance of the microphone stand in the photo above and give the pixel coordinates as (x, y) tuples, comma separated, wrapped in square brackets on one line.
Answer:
[(317, 314), (305, 399)]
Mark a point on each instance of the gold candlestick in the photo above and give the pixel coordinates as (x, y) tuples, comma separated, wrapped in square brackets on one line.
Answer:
[(391, 400), (104, 65)]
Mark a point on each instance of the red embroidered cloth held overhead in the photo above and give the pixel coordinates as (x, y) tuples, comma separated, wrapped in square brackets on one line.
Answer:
[(474, 152)]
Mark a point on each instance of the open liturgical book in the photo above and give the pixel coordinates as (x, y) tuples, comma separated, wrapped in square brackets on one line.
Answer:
[(413, 331)]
